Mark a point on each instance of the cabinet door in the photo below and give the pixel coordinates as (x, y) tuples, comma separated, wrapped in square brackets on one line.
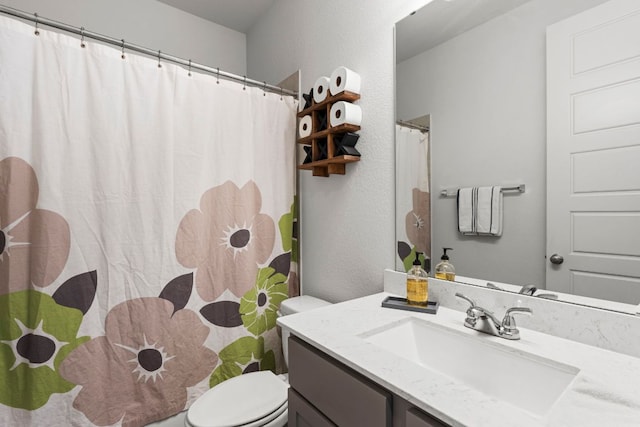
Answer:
[(417, 418), (302, 414), (344, 396)]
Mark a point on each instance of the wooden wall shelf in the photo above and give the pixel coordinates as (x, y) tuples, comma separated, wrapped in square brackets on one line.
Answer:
[(326, 167), (342, 96), (332, 163), (344, 128)]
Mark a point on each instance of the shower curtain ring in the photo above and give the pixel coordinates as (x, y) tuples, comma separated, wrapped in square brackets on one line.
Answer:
[(123, 55), (37, 31), (244, 85), (264, 89), (189, 74), (218, 76), (281, 90), (82, 45), (159, 54)]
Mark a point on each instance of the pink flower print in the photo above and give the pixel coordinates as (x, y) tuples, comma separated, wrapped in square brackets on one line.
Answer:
[(418, 222), (140, 370), (34, 243), (226, 240)]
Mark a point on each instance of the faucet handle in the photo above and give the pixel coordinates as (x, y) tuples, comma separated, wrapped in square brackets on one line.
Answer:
[(474, 310), (466, 298), (509, 323), (528, 290), (473, 314)]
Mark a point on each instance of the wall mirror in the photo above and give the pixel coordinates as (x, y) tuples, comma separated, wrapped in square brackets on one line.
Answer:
[(474, 73)]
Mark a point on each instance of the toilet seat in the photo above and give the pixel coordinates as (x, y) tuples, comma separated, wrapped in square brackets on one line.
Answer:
[(248, 400), (279, 421), (276, 419)]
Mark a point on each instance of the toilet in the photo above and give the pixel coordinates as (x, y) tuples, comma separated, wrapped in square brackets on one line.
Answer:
[(256, 399)]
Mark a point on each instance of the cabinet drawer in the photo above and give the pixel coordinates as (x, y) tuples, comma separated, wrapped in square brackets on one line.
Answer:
[(302, 414), (417, 418), (344, 396)]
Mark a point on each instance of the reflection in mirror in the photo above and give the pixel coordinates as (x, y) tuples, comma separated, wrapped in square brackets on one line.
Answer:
[(413, 204), (478, 70)]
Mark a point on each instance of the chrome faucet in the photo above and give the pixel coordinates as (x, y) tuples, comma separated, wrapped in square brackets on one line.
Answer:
[(483, 320), (528, 290)]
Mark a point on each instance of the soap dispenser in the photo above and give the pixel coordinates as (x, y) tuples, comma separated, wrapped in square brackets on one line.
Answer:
[(444, 269), (417, 285)]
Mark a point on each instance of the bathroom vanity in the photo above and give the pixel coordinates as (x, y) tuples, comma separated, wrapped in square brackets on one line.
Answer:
[(323, 389), (356, 363)]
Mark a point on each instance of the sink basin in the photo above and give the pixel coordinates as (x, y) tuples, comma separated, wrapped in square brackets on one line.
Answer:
[(527, 381)]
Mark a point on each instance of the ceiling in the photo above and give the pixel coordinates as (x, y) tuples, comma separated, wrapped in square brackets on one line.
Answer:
[(436, 22), (239, 15), (441, 20)]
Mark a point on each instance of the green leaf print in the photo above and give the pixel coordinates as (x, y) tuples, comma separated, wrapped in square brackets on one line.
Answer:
[(243, 355), (36, 334), (259, 306), (287, 225)]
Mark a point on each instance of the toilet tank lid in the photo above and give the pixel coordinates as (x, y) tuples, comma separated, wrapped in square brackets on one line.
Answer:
[(301, 303)]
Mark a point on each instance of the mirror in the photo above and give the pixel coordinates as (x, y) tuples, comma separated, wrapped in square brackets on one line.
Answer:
[(476, 70)]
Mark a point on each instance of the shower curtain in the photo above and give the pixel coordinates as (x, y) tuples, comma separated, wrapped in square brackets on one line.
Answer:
[(413, 204), (146, 231)]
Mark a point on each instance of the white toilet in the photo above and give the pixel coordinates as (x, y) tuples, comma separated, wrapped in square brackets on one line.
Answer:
[(257, 399)]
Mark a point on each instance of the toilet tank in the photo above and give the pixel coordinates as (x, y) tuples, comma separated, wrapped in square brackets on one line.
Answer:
[(300, 304), (292, 306)]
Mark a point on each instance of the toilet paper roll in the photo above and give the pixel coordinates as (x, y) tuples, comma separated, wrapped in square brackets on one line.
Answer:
[(345, 112), (304, 127), (343, 79), (321, 89)]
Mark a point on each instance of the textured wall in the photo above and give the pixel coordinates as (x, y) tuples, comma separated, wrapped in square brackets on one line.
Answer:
[(150, 24), (347, 222)]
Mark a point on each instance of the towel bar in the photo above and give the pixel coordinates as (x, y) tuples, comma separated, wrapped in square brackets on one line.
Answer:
[(454, 192)]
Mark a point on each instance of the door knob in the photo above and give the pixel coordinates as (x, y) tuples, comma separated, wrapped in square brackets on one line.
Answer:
[(556, 259)]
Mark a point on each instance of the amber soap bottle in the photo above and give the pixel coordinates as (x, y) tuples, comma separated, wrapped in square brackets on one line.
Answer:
[(417, 284)]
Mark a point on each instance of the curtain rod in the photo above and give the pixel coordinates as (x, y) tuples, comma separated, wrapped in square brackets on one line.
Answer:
[(412, 125), (38, 20)]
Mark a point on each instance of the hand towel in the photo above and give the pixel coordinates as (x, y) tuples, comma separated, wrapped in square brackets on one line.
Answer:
[(480, 211), (466, 219), (489, 211)]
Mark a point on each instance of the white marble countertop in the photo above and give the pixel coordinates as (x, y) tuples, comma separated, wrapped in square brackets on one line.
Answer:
[(605, 392)]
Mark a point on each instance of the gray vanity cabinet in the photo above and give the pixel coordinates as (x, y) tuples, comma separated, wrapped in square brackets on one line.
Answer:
[(417, 418), (345, 398), (325, 393), (303, 414)]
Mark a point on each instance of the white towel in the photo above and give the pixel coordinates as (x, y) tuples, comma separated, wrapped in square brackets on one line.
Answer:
[(466, 219), (480, 211)]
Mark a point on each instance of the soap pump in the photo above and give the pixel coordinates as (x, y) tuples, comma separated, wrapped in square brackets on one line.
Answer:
[(417, 285), (444, 269)]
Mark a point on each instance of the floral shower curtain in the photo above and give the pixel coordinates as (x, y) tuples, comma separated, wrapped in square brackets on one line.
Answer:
[(413, 204), (146, 231)]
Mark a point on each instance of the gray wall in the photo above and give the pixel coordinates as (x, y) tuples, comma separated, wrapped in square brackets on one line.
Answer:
[(486, 93), (150, 24), (347, 222)]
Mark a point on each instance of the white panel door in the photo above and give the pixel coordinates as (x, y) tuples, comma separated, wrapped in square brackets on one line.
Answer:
[(593, 153)]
